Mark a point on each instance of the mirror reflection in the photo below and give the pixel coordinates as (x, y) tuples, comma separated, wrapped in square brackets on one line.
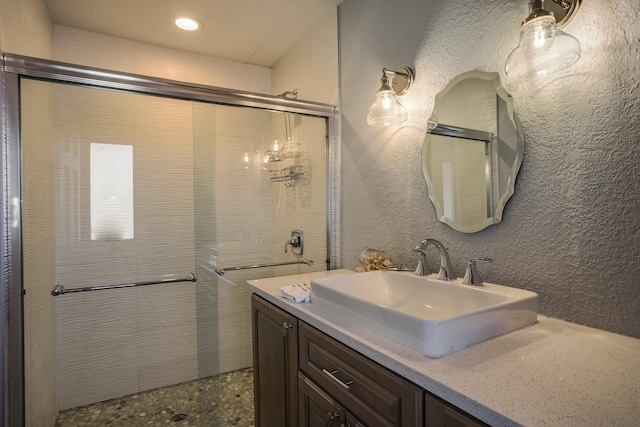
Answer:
[(472, 151)]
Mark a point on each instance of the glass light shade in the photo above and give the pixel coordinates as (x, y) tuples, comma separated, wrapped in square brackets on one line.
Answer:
[(543, 49), (386, 110)]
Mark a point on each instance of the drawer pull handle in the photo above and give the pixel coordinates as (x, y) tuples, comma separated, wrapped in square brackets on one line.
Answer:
[(287, 325), (332, 375)]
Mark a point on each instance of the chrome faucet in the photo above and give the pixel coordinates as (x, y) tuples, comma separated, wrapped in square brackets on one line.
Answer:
[(445, 272)]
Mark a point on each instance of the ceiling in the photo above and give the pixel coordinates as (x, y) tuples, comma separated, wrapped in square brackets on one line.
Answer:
[(257, 32)]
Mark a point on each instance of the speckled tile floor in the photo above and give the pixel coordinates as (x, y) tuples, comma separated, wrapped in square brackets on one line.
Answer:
[(221, 401)]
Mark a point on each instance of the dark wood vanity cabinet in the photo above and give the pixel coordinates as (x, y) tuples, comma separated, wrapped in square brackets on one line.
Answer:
[(275, 365), (305, 378)]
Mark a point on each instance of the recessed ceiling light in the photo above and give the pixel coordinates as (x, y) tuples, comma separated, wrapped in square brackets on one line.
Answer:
[(187, 23)]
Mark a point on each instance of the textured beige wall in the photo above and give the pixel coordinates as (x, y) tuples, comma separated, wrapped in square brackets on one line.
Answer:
[(570, 233), (311, 65), (25, 28), (112, 53)]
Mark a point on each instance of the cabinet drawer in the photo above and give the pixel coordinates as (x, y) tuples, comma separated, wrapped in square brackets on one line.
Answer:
[(372, 393)]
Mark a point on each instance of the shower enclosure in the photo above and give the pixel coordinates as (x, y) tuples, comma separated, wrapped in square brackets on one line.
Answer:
[(135, 209)]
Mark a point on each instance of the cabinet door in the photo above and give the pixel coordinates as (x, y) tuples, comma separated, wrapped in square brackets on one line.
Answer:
[(275, 364), (316, 408), (439, 413), (353, 421)]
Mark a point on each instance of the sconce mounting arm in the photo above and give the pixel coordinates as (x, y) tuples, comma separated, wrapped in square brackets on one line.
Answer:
[(401, 84), (563, 10)]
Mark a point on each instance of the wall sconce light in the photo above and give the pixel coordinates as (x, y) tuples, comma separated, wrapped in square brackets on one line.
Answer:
[(387, 110), (543, 48)]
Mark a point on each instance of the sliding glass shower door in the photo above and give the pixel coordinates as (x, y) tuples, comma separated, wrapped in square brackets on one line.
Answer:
[(136, 189), (124, 214), (258, 175)]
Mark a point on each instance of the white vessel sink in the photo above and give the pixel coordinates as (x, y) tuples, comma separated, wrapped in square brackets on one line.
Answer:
[(429, 315)]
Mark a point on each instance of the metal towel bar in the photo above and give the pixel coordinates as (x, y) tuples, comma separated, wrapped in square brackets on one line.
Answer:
[(59, 288), (220, 271)]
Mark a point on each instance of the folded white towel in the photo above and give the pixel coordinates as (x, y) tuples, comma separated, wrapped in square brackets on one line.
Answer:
[(300, 292)]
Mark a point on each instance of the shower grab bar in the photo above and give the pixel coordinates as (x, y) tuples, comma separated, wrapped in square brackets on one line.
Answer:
[(220, 271), (59, 288)]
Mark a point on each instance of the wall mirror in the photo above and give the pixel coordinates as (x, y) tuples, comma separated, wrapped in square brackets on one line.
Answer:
[(472, 151)]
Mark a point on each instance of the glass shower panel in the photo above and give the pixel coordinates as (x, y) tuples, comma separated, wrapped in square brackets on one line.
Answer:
[(301, 201), (245, 212), (135, 153)]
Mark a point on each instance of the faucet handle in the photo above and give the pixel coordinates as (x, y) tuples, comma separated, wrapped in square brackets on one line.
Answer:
[(296, 241), (422, 269), (472, 275)]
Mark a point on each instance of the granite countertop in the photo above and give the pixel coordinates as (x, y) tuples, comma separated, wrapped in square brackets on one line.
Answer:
[(551, 373)]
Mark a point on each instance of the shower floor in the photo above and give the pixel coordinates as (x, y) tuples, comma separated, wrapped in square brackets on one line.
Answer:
[(220, 401)]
